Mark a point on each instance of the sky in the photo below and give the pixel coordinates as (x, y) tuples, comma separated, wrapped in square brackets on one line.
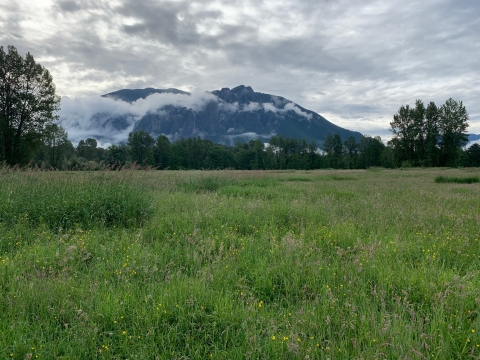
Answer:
[(354, 62)]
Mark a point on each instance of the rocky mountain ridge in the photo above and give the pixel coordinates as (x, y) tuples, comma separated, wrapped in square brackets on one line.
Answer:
[(224, 116)]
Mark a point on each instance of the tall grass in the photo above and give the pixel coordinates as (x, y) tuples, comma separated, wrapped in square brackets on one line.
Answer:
[(236, 265), (458, 180), (72, 200)]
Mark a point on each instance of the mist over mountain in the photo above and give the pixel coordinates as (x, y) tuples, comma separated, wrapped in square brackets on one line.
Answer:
[(224, 116)]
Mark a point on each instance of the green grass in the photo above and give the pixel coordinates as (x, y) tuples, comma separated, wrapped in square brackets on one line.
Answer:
[(72, 200), (458, 180), (235, 265)]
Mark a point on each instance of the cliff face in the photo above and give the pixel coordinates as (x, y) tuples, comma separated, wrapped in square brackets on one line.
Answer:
[(225, 116)]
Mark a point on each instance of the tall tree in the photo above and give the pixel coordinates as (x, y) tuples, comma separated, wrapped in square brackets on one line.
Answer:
[(117, 156), (351, 149), (141, 147), (87, 149), (473, 155), (431, 130), (371, 149), (404, 129), (453, 121), (333, 146), (161, 153), (312, 155), (218, 157), (418, 132), (27, 104), (57, 148)]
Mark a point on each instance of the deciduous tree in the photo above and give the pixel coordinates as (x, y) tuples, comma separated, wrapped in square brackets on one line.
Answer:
[(453, 123), (28, 103), (141, 147)]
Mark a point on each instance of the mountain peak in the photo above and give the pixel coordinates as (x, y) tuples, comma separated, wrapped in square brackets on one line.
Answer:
[(131, 95), (242, 89), (241, 94)]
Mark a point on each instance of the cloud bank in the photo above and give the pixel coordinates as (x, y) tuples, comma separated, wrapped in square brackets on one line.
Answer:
[(357, 60)]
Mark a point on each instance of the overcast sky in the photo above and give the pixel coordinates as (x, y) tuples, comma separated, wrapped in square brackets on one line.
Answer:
[(354, 62)]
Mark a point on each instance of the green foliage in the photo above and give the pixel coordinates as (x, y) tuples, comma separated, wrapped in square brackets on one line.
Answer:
[(140, 145), (298, 178), (162, 152), (458, 180), (142, 151), (87, 149), (250, 265), (453, 124), (70, 202), (27, 105), (429, 136), (56, 148), (473, 155), (370, 151), (339, 178), (203, 184)]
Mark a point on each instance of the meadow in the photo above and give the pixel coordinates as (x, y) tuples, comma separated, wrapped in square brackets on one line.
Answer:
[(328, 264)]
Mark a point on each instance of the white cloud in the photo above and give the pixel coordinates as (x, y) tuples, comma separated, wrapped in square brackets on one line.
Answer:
[(472, 142), (270, 107), (250, 107), (249, 136), (288, 107), (321, 54), (92, 116), (230, 107), (293, 107)]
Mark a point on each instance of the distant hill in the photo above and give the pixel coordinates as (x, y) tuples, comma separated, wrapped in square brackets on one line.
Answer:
[(473, 137), (224, 116)]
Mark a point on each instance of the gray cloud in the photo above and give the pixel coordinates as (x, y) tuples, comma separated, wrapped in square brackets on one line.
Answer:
[(354, 62), (69, 5), (168, 22)]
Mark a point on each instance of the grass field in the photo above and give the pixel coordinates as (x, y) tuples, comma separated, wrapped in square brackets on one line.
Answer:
[(376, 264)]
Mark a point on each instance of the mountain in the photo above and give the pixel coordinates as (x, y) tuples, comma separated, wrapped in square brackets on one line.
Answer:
[(473, 137), (131, 95), (224, 116)]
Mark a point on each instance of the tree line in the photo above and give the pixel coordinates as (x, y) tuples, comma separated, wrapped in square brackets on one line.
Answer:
[(422, 136), (143, 151), (431, 135)]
